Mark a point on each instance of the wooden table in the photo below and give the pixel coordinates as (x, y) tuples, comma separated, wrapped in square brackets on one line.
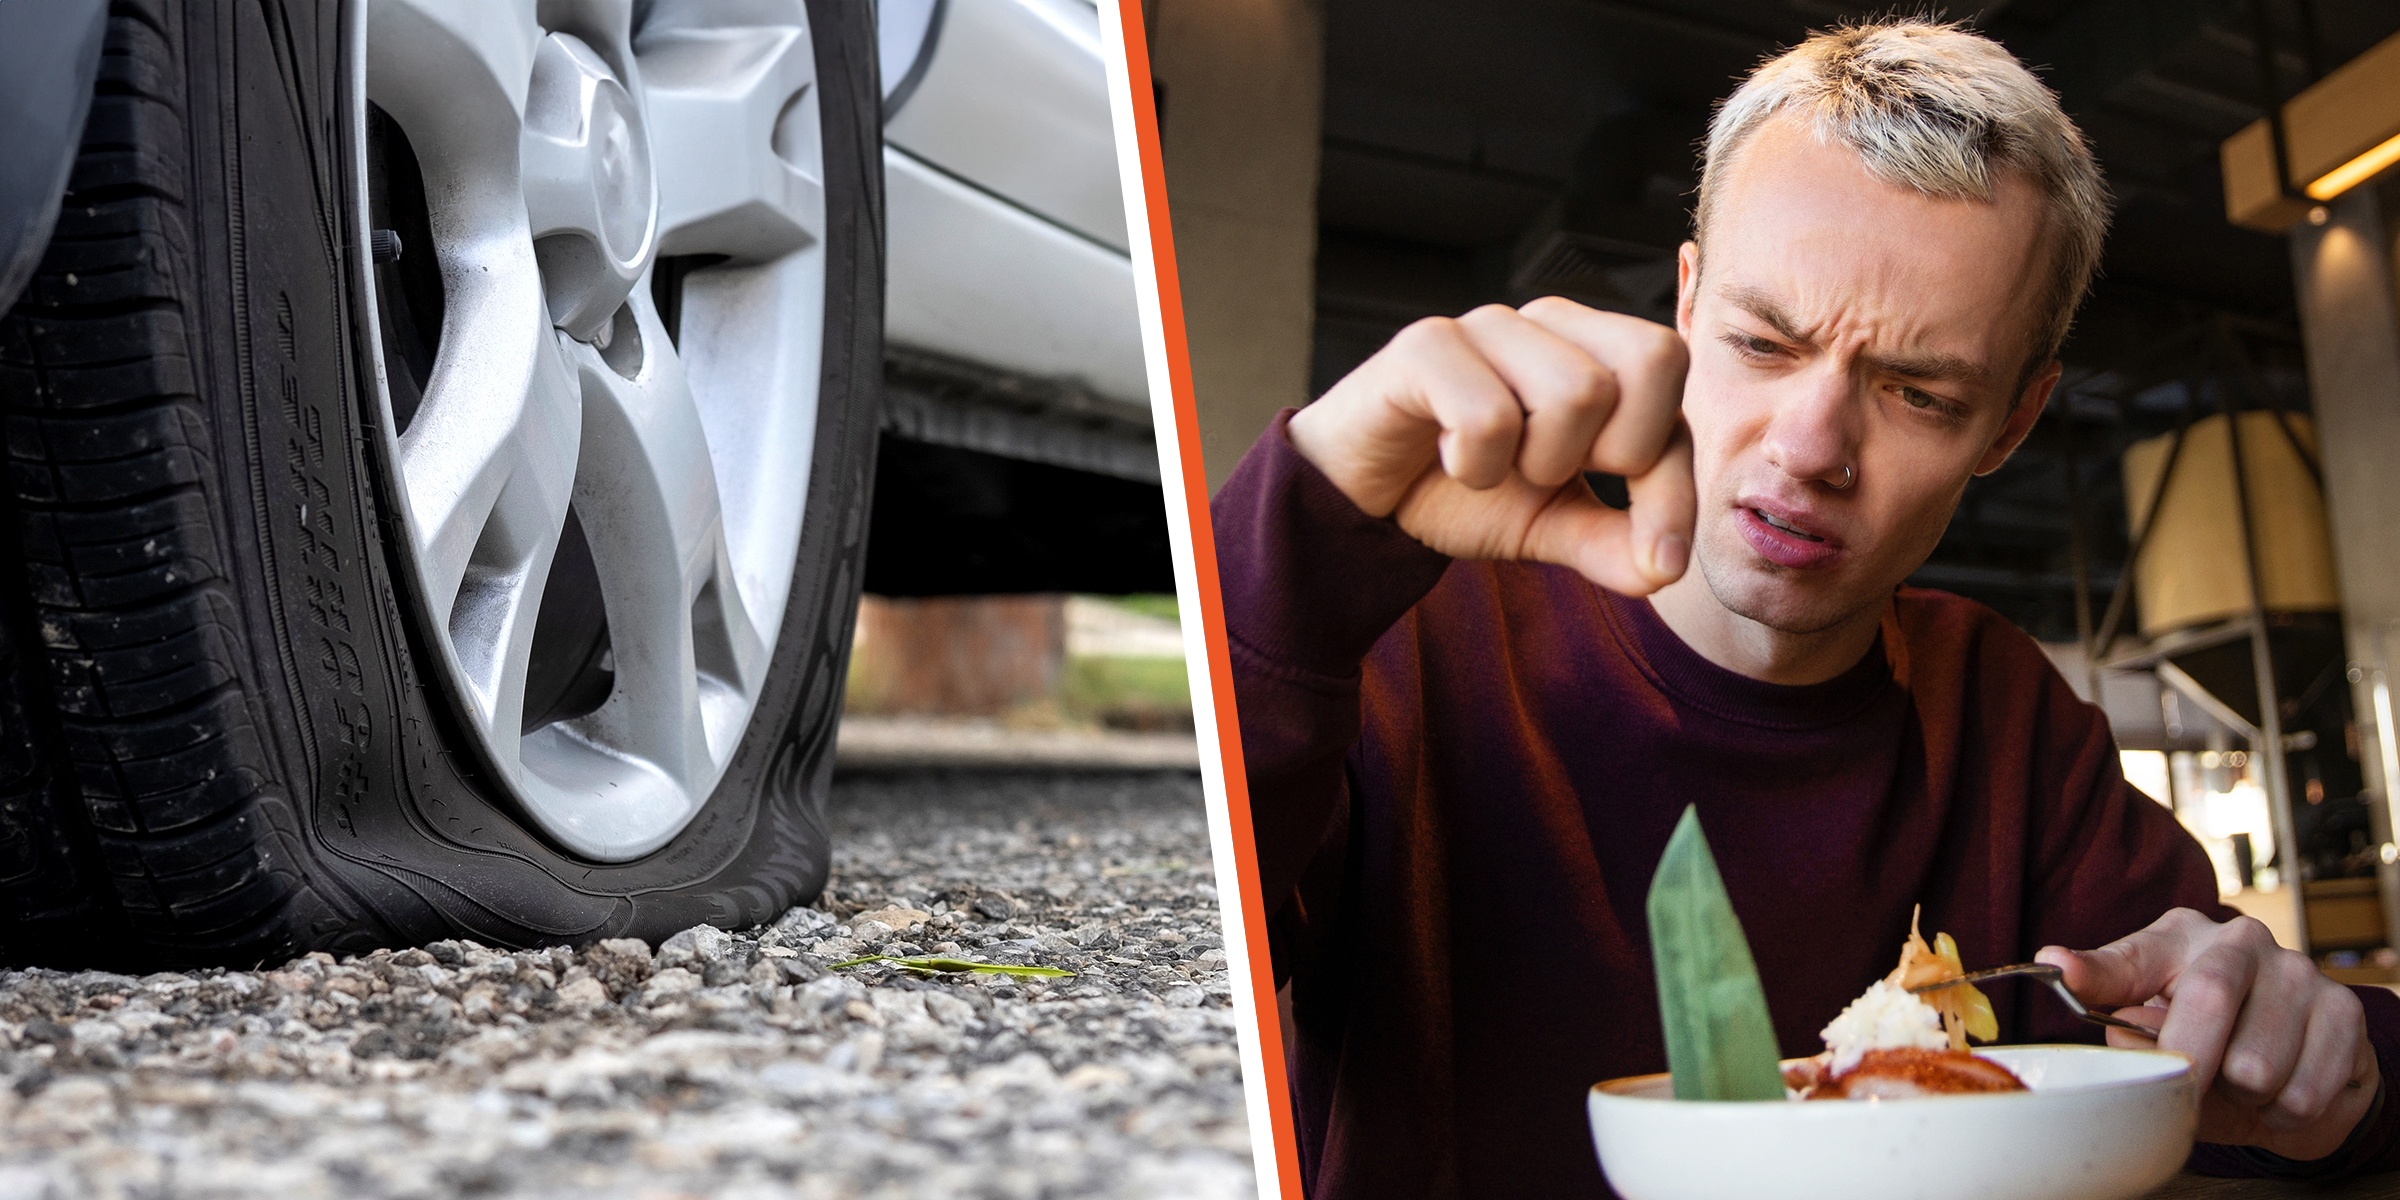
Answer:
[(2202, 1187)]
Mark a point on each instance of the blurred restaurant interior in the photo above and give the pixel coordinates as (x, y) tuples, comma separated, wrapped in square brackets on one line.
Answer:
[(1340, 168)]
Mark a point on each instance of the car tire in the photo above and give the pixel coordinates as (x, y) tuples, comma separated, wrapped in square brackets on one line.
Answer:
[(230, 731)]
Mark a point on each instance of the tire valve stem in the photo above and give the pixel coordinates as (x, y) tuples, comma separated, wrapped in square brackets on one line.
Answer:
[(384, 245)]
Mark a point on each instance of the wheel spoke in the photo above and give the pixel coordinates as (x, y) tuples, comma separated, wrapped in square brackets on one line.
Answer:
[(729, 647), (499, 414), (455, 72), (761, 417), (492, 622), (489, 471), (733, 119), (646, 493)]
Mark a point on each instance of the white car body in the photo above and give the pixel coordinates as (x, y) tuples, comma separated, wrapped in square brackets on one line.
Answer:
[(1005, 217)]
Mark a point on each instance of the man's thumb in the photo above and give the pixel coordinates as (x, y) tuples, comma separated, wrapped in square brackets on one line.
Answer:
[(2103, 978), (2069, 964)]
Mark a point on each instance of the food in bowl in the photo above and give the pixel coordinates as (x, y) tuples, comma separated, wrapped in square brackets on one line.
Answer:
[(2098, 1123), (1891, 1044)]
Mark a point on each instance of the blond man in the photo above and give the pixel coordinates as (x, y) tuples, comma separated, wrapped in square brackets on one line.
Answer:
[(1474, 699)]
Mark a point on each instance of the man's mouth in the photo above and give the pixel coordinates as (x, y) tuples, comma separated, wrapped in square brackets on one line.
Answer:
[(1770, 519), (1783, 541)]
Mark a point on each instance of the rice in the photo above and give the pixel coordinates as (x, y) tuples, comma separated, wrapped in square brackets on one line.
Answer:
[(1887, 1017)]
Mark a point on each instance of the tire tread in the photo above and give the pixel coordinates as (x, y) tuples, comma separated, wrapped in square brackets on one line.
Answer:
[(110, 482)]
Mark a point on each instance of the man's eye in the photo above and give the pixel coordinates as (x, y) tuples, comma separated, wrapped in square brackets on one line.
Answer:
[(1751, 346), (1926, 402)]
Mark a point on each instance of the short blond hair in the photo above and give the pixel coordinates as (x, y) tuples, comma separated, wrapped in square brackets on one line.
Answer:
[(1941, 110)]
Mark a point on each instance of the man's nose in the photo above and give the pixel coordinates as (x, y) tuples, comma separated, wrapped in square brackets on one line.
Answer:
[(1813, 435)]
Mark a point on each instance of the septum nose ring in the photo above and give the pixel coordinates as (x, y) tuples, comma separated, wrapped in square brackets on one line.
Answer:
[(1849, 477)]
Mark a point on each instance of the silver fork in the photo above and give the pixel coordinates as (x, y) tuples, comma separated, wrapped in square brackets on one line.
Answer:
[(2044, 973)]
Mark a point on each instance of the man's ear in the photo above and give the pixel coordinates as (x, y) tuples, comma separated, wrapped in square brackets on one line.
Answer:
[(2020, 419), (1687, 284)]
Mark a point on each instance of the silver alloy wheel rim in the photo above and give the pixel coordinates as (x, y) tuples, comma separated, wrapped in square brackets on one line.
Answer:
[(561, 157)]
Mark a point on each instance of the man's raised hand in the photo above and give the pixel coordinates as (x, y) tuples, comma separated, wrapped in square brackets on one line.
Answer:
[(1474, 433), (2281, 1049)]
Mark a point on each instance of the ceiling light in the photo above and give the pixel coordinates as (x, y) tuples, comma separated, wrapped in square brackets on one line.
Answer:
[(2358, 170)]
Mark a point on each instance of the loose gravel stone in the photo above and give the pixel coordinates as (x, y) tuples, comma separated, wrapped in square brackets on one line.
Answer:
[(721, 1062)]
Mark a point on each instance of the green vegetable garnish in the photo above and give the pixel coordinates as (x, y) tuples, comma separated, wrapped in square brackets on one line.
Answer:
[(1720, 1044)]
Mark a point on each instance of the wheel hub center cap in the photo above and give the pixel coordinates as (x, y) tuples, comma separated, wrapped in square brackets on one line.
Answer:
[(623, 186), (589, 189)]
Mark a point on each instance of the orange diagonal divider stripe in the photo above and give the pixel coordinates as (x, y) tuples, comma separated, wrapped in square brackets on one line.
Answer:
[(1177, 423)]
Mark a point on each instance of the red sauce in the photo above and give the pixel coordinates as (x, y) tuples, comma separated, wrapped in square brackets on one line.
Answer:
[(1900, 1074)]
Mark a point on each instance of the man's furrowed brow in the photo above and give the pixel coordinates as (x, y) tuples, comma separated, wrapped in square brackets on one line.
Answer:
[(1931, 365), (1761, 304)]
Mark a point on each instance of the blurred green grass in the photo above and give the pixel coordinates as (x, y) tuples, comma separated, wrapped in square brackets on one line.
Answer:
[(1162, 607), (1128, 693), (1141, 693)]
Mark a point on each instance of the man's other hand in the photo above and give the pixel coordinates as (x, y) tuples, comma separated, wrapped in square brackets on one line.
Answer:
[(2281, 1050), (1474, 434)]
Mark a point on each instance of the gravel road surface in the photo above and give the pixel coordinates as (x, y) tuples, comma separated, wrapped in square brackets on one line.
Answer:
[(720, 1063)]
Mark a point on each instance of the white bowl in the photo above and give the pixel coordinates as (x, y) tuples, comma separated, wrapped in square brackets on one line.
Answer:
[(2098, 1124)]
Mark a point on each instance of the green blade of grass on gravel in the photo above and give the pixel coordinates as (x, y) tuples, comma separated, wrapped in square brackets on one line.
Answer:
[(929, 963)]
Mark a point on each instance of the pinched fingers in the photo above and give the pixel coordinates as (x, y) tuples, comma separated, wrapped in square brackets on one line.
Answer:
[(1474, 433), (1566, 394)]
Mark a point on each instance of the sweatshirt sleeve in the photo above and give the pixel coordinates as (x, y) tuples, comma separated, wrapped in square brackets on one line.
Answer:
[(1310, 583)]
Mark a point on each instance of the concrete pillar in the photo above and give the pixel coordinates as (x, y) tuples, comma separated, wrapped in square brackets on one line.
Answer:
[(2351, 319), (1241, 88)]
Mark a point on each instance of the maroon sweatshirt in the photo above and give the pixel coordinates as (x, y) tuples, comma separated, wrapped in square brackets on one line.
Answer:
[(1462, 775)]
